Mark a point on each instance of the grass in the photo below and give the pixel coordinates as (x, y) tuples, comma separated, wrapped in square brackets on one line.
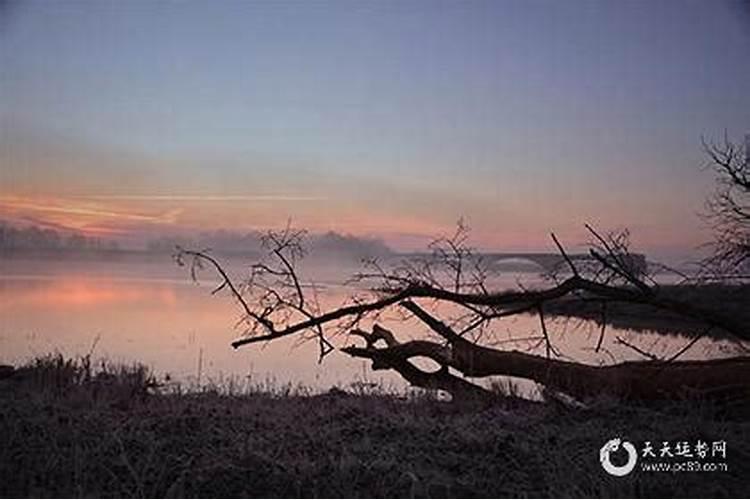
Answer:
[(74, 429)]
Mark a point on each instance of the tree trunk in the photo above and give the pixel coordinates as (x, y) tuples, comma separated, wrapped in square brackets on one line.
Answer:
[(631, 381)]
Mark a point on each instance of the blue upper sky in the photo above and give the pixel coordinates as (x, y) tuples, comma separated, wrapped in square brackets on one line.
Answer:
[(524, 116)]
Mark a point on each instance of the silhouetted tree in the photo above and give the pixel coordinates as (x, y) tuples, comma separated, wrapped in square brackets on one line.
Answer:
[(451, 293), (728, 209)]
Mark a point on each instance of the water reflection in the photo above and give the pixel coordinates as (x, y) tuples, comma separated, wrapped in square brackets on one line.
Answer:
[(172, 325), (177, 327), (75, 291)]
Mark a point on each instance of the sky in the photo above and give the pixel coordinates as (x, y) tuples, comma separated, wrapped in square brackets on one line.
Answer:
[(389, 119)]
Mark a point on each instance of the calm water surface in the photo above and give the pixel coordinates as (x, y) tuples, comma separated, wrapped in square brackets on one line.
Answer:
[(150, 311)]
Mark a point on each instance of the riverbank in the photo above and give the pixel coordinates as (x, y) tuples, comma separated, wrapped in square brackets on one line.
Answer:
[(67, 429), (729, 300)]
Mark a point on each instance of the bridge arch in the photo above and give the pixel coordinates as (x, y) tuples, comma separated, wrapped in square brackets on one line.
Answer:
[(553, 261)]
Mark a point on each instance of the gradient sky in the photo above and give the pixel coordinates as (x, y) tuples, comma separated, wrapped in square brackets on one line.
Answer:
[(387, 119)]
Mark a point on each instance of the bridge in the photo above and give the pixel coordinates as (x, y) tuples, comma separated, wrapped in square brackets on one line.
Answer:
[(552, 261)]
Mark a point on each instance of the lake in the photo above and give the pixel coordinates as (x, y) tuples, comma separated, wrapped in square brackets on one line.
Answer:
[(149, 310)]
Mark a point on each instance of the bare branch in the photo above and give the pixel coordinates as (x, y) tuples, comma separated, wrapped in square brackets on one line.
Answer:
[(276, 302), (572, 267), (436, 325), (689, 345), (728, 209), (637, 349), (200, 256), (547, 342), (604, 326)]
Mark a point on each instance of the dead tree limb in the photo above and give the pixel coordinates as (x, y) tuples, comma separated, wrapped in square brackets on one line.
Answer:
[(632, 381), (274, 306), (396, 357), (501, 300)]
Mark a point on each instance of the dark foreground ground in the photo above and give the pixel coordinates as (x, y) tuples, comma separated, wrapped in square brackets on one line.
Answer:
[(65, 432)]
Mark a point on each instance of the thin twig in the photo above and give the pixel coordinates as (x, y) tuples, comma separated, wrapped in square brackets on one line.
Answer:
[(637, 349), (689, 345), (604, 326), (547, 342), (573, 268)]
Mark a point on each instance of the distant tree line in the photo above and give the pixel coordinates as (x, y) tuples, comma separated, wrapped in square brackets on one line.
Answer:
[(330, 244), (219, 240), (35, 238)]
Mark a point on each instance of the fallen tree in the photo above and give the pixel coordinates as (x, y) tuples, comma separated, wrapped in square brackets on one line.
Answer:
[(450, 292), (634, 381)]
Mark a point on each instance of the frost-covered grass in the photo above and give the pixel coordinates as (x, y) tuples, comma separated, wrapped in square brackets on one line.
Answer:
[(68, 428)]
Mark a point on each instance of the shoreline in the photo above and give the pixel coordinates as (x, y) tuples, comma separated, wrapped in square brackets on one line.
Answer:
[(731, 300)]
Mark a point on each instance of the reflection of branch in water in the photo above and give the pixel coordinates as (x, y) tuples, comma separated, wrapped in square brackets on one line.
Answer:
[(689, 345), (448, 293), (637, 349)]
